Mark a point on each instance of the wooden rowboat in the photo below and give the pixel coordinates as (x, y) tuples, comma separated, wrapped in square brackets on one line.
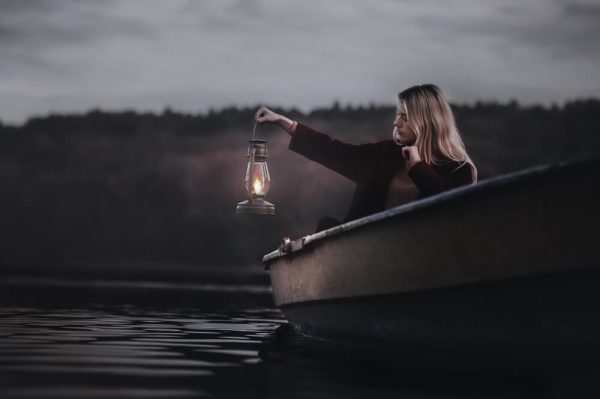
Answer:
[(510, 265)]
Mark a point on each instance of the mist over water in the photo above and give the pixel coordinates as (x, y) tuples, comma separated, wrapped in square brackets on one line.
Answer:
[(163, 187)]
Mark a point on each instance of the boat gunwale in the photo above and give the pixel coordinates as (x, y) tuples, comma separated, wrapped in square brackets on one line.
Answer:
[(300, 244)]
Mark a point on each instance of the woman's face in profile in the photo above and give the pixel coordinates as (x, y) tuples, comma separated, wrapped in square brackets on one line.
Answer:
[(403, 134)]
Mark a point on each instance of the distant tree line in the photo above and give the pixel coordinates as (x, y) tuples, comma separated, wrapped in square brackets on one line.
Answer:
[(147, 186)]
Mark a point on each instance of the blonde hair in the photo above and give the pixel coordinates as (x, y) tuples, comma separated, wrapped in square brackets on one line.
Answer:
[(431, 119)]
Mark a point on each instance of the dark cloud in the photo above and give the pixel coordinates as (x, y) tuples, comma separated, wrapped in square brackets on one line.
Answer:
[(12, 6), (254, 17), (587, 11), (558, 29), (572, 30), (43, 23), (31, 31)]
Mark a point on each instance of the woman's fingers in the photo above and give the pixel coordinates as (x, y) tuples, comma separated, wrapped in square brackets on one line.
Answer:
[(261, 115), (265, 115)]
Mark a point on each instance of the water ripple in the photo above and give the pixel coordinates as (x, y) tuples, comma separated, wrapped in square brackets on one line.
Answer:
[(125, 352)]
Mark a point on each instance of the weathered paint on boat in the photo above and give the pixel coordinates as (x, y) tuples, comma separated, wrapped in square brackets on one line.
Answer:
[(537, 221)]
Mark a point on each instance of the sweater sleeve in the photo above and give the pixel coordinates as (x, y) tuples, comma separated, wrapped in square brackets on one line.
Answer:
[(349, 160), (430, 182)]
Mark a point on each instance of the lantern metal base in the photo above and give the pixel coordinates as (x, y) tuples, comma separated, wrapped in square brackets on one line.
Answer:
[(257, 206)]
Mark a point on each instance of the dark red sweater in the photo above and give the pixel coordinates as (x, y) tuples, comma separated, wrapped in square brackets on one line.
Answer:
[(372, 166)]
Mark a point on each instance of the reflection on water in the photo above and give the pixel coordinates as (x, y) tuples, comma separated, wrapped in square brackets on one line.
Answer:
[(129, 352), (137, 352)]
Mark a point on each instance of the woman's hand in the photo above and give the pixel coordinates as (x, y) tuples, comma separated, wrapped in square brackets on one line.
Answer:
[(411, 156), (265, 115)]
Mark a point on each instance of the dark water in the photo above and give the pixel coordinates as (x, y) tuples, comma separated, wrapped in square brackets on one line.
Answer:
[(132, 352), (233, 347)]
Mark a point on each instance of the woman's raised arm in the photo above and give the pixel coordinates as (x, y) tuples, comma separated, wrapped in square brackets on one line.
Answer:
[(265, 115)]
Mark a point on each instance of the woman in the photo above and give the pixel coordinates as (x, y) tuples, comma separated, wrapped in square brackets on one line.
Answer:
[(425, 156)]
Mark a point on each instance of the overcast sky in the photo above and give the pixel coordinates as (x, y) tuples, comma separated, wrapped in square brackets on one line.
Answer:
[(191, 55)]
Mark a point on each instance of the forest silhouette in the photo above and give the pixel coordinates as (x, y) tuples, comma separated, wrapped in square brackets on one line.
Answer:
[(112, 186)]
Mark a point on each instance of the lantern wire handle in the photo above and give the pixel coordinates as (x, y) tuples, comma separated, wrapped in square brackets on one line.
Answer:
[(252, 159)]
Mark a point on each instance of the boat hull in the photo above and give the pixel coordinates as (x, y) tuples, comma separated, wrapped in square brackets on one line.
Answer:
[(532, 322), (507, 263), (543, 222)]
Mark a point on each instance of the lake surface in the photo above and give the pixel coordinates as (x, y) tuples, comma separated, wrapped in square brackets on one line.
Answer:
[(233, 346), (132, 352)]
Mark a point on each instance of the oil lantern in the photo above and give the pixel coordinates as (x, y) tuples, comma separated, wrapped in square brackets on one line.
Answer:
[(257, 180)]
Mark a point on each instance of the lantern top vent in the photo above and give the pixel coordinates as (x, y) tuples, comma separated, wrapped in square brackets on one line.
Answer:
[(260, 148)]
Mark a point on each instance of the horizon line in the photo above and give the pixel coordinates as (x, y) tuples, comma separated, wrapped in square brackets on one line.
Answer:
[(336, 104)]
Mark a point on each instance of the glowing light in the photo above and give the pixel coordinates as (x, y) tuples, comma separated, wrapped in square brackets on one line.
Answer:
[(258, 187)]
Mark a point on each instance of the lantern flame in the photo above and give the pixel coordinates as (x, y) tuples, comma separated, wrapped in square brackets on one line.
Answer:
[(258, 187)]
